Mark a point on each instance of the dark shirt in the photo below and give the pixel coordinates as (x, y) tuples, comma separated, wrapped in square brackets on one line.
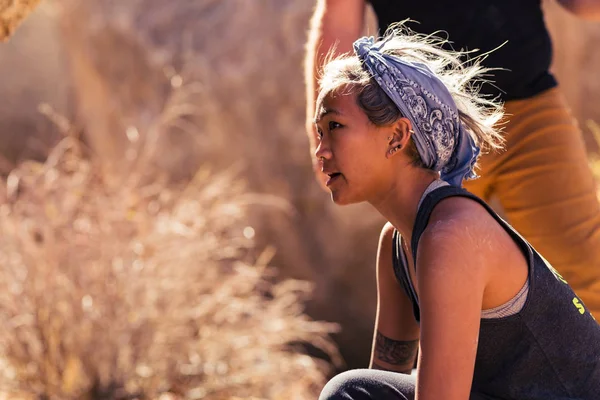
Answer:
[(550, 350), (485, 25)]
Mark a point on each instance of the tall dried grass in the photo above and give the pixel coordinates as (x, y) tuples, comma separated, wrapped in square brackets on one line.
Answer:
[(12, 13), (237, 69), (143, 290)]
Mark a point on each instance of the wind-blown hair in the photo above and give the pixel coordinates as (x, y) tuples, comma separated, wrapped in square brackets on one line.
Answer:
[(462, 79)]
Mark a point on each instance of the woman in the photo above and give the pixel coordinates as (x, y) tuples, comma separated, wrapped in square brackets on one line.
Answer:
[(564, 225), (400, 126)]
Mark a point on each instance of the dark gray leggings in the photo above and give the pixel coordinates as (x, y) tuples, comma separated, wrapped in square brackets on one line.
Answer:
[(367, 384)]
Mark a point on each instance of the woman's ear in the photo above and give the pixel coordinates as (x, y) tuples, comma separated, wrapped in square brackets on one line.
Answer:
[(402, 131)]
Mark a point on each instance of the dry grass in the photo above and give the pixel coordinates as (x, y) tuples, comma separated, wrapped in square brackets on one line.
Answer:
[(237, 70), (143, 290), (12, 13)]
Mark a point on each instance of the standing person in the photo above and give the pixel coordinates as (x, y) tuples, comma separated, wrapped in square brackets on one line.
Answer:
[(542, 180), (399, 127)]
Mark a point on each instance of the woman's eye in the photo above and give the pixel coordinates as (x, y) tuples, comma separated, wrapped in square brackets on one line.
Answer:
[(334, 125), (319, 133)]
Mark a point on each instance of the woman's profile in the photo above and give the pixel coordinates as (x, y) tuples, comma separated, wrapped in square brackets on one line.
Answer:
[(400, 126)]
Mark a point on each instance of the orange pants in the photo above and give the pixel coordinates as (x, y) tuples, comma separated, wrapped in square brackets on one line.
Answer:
[(546, 189)]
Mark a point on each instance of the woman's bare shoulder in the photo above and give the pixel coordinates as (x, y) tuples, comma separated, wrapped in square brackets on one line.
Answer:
[(459, 226)]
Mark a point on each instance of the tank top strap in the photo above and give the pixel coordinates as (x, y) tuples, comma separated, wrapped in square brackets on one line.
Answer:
[(400, 265)]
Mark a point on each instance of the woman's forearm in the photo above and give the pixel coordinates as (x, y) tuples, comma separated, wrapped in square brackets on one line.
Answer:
[(393, 355)]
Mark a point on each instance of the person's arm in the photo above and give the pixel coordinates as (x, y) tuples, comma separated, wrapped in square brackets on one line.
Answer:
[(334, 26), (395, 340), (451, 276), (586, 9)]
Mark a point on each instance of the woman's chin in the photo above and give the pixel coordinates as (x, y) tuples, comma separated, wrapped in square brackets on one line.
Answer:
[(341, 199)]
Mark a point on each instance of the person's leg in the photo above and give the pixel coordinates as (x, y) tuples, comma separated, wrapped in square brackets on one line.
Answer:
[(547, 190), (368, 384)]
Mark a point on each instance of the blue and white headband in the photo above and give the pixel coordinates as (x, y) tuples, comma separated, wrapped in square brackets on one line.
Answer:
[(441, 139)]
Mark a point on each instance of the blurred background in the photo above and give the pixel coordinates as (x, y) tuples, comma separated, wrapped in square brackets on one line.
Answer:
[(161, 233)]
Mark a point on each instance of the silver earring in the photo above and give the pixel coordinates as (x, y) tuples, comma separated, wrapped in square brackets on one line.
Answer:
[(395, 149)]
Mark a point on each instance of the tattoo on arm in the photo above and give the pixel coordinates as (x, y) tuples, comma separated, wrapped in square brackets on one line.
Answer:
[(395, 352)]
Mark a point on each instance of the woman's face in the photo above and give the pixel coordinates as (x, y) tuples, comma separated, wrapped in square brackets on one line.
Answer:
[(352, 151)]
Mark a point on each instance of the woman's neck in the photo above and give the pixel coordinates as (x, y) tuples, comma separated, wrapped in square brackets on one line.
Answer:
[(399, 205)]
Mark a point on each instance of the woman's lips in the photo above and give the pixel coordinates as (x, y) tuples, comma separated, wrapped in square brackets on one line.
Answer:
[(332, 178)]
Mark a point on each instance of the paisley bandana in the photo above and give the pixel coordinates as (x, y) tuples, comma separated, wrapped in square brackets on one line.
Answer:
[(442, 141)]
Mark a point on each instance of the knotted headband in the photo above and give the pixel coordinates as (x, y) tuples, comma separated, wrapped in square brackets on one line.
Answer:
[(441, 139)]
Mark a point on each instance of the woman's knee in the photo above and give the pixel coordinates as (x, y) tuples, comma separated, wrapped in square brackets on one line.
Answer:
[(367, 384), (342, 386)]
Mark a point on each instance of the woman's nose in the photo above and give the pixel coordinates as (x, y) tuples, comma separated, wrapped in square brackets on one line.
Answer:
[(322, 152)]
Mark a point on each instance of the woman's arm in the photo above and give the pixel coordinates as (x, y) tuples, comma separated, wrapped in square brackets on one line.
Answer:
[(451, 275), (586, 9), (396, 336)]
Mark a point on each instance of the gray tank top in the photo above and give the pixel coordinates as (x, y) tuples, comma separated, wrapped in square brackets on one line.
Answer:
[(550, 350), (511, 307)]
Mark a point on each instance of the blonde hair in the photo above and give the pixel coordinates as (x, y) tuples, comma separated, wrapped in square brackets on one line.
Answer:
[(462, 79)]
